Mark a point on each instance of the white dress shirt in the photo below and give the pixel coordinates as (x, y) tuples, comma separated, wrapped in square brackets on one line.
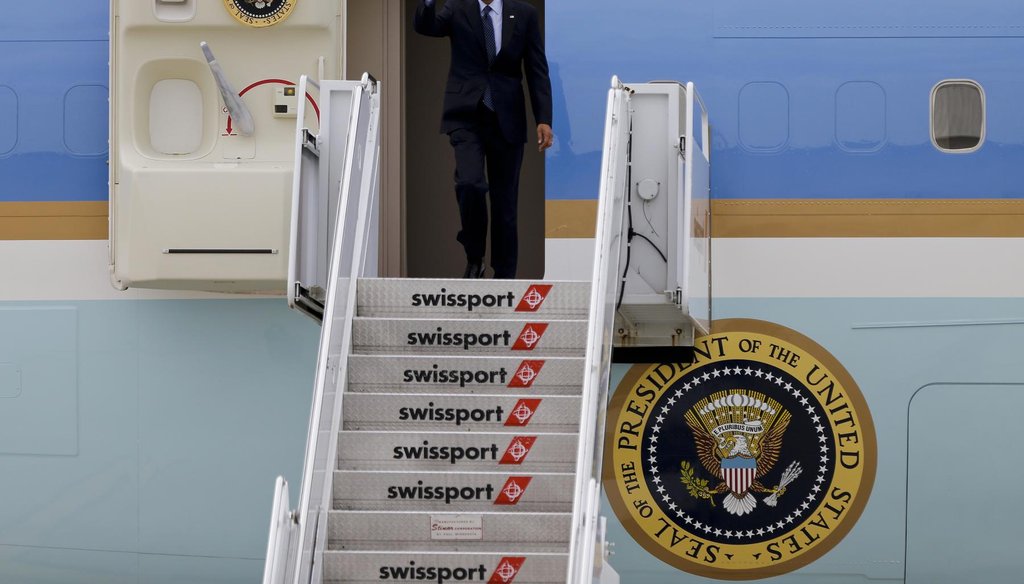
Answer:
[(496, 7)]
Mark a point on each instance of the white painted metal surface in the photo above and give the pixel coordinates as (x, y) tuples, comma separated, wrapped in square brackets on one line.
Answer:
[(282, 527), (694, 259), (605, 283), (665, 294)]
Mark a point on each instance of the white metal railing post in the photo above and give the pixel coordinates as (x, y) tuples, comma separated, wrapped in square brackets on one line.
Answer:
[(282, 527), (611, 209)]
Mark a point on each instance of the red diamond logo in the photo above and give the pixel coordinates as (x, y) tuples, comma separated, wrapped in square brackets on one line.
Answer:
[(530, 336), (513, 490), (523, 412), (507, 570), (534, 297), (518, 450), (526, 374)]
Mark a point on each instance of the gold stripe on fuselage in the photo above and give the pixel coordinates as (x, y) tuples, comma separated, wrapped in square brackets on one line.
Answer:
[(828, 218), (53, 220), (576, 218)]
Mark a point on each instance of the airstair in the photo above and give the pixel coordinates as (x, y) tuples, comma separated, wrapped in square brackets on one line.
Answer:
[(457, 424)]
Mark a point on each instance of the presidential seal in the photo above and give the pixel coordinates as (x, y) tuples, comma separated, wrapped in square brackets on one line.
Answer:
[(260, 13), (751, 461)]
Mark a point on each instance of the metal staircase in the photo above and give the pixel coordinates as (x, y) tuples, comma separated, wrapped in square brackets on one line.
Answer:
[(456, 428), (459, 427)]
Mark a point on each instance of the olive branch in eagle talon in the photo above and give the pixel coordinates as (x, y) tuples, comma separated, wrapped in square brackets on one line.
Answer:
[(698, 488)]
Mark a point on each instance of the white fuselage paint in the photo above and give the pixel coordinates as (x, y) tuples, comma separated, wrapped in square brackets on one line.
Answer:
[(840, 267), (743, 268)]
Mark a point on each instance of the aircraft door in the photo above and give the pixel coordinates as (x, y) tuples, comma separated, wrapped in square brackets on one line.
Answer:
[(203, 111)]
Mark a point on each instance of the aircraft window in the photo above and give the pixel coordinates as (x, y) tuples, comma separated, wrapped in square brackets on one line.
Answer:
[(958, 116)]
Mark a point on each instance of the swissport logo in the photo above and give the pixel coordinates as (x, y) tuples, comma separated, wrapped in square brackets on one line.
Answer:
[(523, 412), (534, 298), (526, 374), (531, 335), (513, 490), (518, 450), (507, 570)]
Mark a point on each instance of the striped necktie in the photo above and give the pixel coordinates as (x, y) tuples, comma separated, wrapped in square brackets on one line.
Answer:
[(491, 52)]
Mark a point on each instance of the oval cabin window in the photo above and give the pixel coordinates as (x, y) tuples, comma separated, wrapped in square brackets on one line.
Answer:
[(958, 116)]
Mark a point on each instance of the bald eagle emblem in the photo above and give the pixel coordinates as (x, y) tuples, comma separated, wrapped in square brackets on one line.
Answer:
[(738, 437)]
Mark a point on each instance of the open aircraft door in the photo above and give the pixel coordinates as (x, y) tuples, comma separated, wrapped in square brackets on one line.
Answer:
[(203, 103), (664, 297)]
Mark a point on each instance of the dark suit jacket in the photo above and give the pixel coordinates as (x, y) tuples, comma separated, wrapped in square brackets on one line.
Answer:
[(522, 51)]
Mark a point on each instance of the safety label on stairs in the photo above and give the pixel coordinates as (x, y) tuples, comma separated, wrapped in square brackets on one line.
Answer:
[(456, 527)]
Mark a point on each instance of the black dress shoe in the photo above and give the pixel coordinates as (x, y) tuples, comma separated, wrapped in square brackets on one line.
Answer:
[(474, 270)]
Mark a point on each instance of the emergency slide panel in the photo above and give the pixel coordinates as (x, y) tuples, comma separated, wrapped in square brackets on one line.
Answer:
[(204, 103)]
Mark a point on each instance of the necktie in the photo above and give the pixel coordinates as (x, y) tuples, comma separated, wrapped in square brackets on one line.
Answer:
[(491, 52)]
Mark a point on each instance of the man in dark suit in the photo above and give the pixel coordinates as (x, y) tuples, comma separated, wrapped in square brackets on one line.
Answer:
[(494, 43)]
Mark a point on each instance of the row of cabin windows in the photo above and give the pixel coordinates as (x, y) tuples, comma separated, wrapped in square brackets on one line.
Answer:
[(958, 116)]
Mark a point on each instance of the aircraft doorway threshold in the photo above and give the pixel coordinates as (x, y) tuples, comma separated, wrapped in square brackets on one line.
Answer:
[(457, 426)]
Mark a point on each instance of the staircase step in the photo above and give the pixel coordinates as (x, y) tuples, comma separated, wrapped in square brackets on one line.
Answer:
[(514, 299), (494, 375), (457, 452), (451, 492), (425, 531), (365, 567), (464, 413), (566, 338)]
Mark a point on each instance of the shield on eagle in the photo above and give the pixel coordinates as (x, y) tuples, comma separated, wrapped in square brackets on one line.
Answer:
[(739, 472)]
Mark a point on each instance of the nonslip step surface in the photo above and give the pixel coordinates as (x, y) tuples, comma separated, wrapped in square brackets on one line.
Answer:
[(534, 374), (430, 531), (465, 413), (507, 338), (451, 492), (493, 299), (348, 567), (455, 452)]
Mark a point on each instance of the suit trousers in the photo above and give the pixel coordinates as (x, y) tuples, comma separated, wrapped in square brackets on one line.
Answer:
[(485, 163)]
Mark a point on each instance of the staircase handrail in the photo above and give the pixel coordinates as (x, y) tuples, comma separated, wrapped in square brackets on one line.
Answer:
[(282, 528), (597, 368), (353, 256)]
